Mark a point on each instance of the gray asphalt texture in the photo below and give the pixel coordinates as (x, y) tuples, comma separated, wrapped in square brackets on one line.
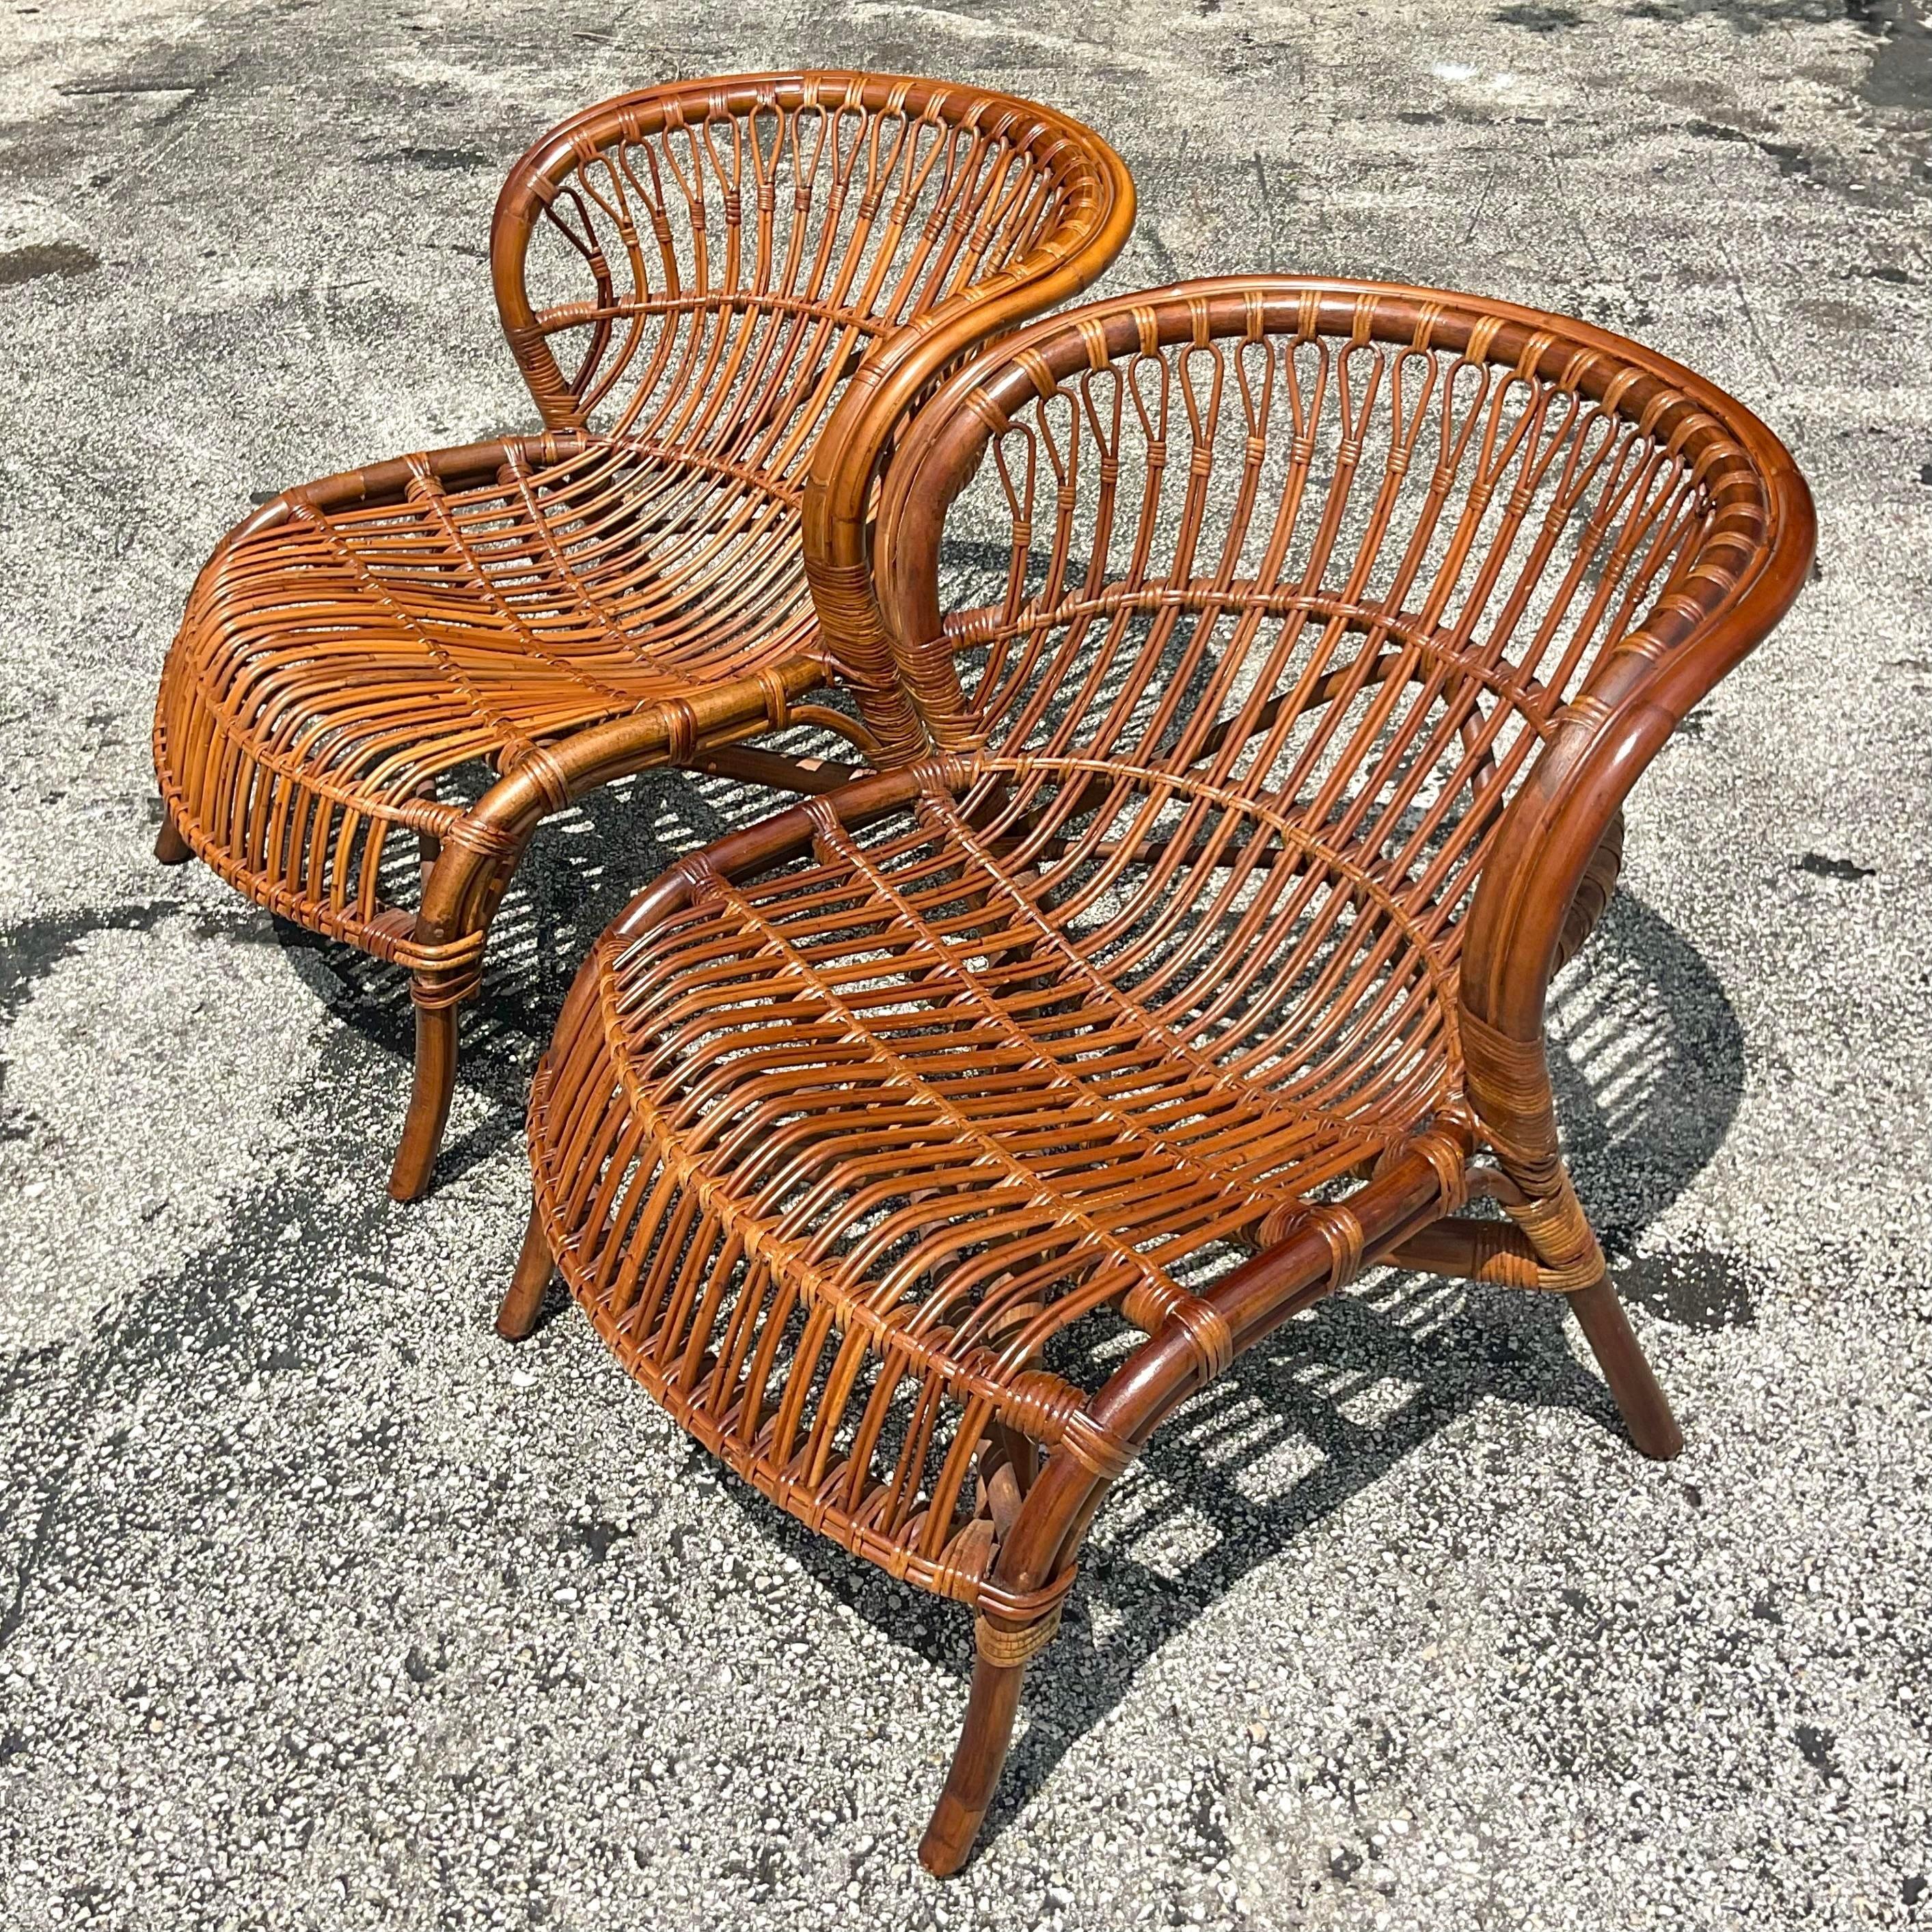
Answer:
[(321, 1607)]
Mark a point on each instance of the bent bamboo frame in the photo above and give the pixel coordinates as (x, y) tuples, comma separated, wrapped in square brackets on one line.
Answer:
[(771, 261), (1201, 965)]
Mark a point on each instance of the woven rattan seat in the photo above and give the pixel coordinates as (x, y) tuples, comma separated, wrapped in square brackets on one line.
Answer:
[(991, 1025), (751, 274), (379, 647), (920, 1150)]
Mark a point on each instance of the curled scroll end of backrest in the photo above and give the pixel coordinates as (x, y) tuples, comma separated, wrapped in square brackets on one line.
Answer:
[(528, 190), (945, 449)]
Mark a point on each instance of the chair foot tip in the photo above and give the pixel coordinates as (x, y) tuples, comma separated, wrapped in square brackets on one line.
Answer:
[(949, 1839), (941, 1860), (1665, 1446)]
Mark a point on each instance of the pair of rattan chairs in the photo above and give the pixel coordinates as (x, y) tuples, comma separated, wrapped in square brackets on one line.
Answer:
[(1242, 683)]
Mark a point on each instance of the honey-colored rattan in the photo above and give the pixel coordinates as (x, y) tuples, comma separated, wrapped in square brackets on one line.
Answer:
[(920, 1150), (743, 273)]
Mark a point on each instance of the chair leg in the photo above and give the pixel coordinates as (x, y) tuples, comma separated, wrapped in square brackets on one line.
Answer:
[(429, 849), (1565, 1243), (429, 1103), (993, 1703), (523, 1300), (170, 847), (1646, 1412)]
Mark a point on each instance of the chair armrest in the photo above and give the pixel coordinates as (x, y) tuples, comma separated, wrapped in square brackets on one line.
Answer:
[(1752, 561)]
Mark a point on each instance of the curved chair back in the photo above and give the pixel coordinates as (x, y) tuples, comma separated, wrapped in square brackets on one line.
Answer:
[(719, 255), (1401, 563), (719, 259)]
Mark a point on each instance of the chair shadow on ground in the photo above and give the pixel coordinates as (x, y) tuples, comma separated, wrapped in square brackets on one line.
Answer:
[(1648, 1065)]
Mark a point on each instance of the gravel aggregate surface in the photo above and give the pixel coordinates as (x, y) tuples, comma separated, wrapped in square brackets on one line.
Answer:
[(319, 1606)]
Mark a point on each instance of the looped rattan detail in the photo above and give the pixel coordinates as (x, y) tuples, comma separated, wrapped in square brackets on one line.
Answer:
[(540, 765), (1343, 1233), (1157, 1306), (1042, 1405), (445, 979), (1001, 1646), (1023, 1607), (486, 840), (1508, 1081), (777, 702), (1560, 1232), (1096, 1449), (1449, 1163)]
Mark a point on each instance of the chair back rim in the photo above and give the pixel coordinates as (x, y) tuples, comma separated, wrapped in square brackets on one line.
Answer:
[(534, 178), (1735, 609)]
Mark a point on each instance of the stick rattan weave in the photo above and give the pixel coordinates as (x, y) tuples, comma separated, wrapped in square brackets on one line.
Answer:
[(921, 1149), (746, 271)]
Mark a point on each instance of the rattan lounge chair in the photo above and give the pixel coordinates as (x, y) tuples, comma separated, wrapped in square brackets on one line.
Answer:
[(921, 1149), (745, 270)]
